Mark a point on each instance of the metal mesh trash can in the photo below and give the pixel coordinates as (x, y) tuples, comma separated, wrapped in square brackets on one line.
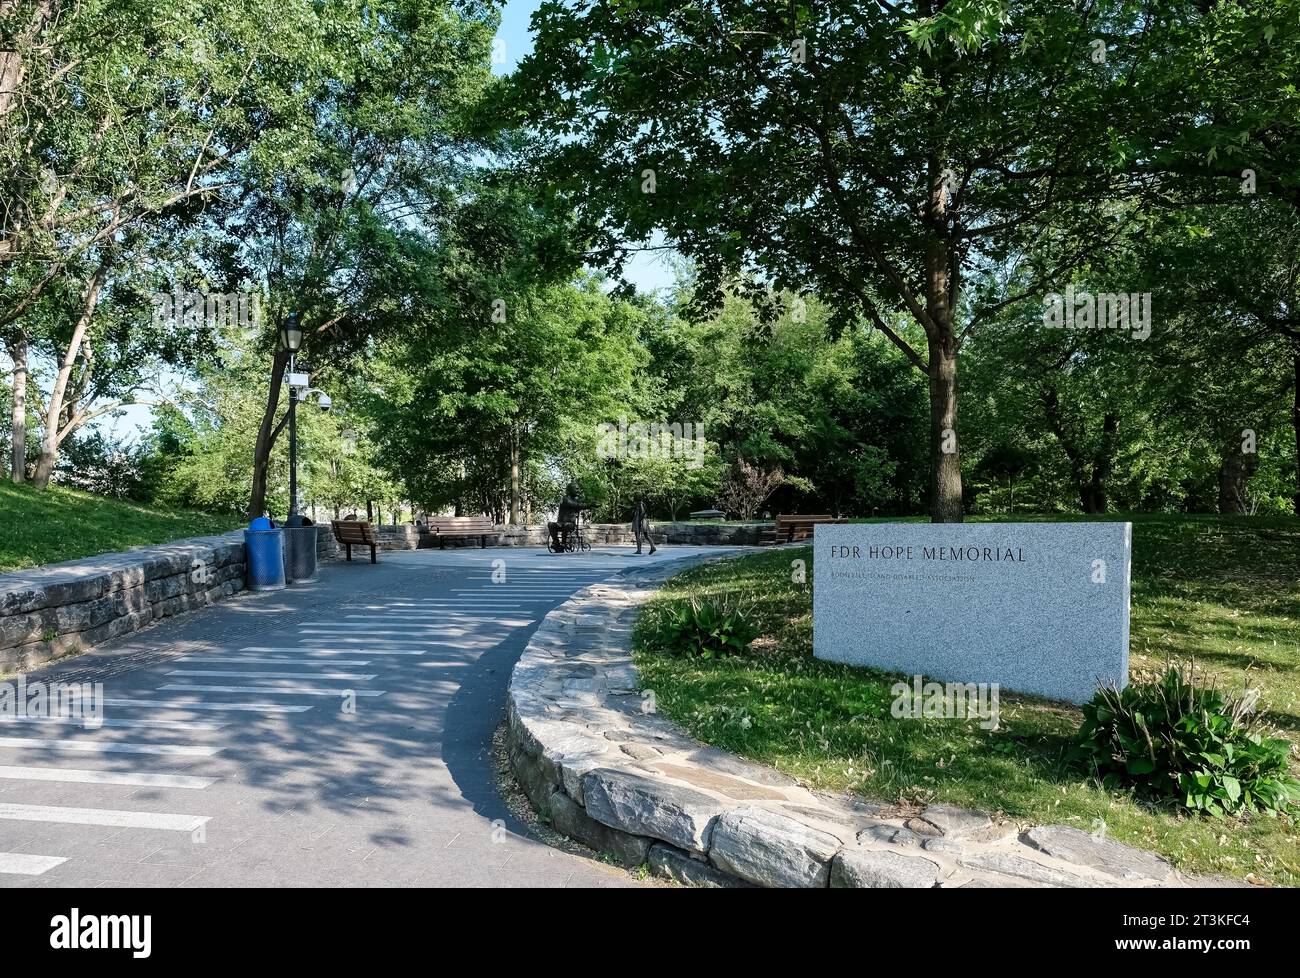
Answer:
[(264, 555), (300, 553)]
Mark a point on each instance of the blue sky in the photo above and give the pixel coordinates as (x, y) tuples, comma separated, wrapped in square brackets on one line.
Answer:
[(514, 32)]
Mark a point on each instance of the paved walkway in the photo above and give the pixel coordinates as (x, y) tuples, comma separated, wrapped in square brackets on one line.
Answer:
[(230, 755)]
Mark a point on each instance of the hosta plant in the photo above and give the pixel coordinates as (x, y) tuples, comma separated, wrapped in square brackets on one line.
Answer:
[(705, 629), (1175, 740)]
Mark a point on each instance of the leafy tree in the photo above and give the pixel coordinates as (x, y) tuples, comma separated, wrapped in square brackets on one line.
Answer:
[(203, 456), (344, 229), (95, 462), (123, 116), (1221, 111), (464, 414), (1237, 267), (668, 483), (892, 163), (843, 414)]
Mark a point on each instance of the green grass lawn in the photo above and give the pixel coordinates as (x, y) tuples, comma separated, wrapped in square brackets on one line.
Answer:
[(1225, 592), (60, 524)]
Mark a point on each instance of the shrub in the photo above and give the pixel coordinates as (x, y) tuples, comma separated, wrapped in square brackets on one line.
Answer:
[(1175, 740), (705, 629)]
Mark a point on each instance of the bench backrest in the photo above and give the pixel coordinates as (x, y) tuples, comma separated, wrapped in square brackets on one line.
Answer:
[(784, 522), (799, 527), (353, 531), (463, 524)]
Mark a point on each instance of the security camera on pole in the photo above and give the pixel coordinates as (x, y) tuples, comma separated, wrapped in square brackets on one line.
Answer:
[(300, 389)]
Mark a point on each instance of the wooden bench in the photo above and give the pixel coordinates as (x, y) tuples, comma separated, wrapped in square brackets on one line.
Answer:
[(357, 533), (443, 527), (791, 529)]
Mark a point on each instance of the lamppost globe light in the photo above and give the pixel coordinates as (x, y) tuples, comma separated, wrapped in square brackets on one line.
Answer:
[(291, 332)]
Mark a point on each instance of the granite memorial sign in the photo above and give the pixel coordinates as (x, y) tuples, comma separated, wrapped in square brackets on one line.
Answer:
[(1035, 607)]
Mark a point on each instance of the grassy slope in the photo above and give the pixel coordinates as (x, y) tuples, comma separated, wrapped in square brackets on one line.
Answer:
[(1224, 591), (60, 524)]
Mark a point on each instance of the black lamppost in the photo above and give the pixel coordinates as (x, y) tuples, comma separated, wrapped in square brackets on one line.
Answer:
[(291, 336)]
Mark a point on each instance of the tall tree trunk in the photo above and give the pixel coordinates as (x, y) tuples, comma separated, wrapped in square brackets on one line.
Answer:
[(1232, 484), (1090, 474), (1097, 498), (1295, 424), (941, 287), (514, 475), (266, 435), (55, 431), (1234, 474), (945, 461), (17, 349)]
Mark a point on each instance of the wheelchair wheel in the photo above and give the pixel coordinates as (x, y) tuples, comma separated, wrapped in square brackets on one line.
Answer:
[(550, 546)]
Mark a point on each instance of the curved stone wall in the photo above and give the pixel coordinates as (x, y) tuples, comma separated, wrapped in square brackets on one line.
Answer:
[(589, 749)]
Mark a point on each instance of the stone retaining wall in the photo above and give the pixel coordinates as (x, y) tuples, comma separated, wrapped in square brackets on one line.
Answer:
[(410, 536), (61, 609), (588, 748), (327, 548), (404, 536), (608, 534)]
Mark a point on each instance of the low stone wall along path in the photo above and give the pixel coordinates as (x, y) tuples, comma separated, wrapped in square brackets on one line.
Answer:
[(588, 748)]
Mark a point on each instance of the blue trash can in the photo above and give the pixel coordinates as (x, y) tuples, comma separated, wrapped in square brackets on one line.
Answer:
[(264, 547)]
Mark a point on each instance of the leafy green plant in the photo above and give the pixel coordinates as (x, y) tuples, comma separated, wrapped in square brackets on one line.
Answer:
[(1173, 739), (705, 629)]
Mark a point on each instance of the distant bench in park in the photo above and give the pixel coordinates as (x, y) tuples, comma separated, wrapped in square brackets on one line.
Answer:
[(358, 533), (443, 527), (791, 529)]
